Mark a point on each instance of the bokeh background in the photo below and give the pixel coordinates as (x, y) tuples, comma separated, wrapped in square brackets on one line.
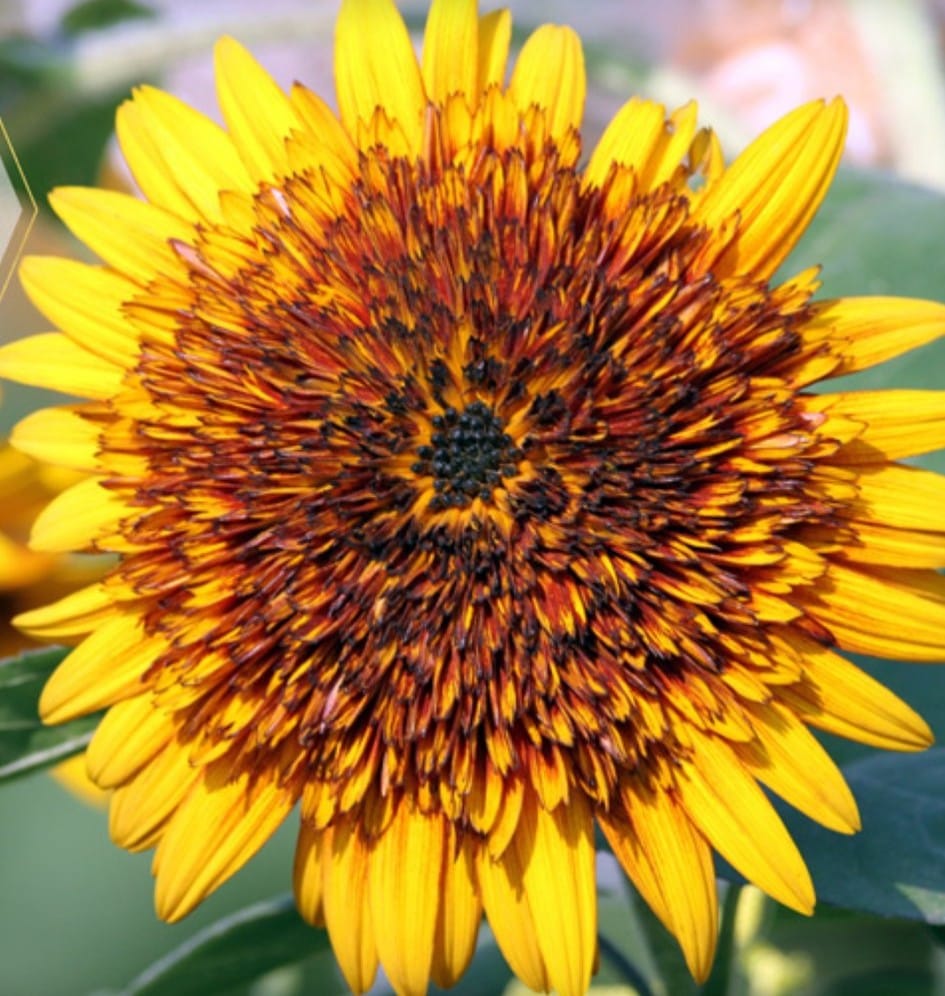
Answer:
[(75, 912)]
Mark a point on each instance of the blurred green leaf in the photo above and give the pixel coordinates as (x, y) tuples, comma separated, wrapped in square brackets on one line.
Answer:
[(834, 951), (25, 744), (896, 865), (917, 982), (229, 955), (68, 144), (26, 61), (59, 125), (92, 15)]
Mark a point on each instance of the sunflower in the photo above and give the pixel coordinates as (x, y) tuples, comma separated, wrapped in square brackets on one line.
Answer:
[(469, 498)]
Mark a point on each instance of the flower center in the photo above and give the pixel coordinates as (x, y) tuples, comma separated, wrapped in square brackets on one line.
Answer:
[(597, 425), (468, 455)]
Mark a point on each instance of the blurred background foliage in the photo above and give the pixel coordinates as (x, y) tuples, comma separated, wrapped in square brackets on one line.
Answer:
[(76, 913)]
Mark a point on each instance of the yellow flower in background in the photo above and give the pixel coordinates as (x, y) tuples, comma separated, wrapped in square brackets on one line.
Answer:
[(471, 497), (29, 579)]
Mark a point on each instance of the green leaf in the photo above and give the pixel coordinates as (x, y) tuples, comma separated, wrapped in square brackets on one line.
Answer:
[(896, 865), (25, 744), (61, 140), (93, 15), (25, 61), (232, 953)]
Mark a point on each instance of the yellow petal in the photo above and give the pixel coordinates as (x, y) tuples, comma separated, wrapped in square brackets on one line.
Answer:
[(642, 138), (132, 236), (903, 497), (257, 113), (405, 896), (726, 804), (181, 159), (485, 799), (628, 140), (495, 34), (142, 153), (375, 66), (668, 860), (307, 874), (559, 90), (888, 546), (510, 916), (895, 423), (105, 668), (556, 853), (451, 50), (705, 155), (677, 143), (53, 361), (774, 187), (460, 913), (213, 833), (140, 809), (128, 737), (836, 696), (75, 615), (347, 906), (330, 148), (507, 818), (864, 331), (85, 302), (881, 613), (795, 766), (551, 776), (59, 436), (540, 896), (84, 516)]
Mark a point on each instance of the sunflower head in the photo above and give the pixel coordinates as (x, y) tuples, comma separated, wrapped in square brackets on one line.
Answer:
[(471, 496)]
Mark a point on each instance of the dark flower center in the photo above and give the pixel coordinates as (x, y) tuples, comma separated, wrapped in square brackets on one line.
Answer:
[(468, 455), (606, 435)]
